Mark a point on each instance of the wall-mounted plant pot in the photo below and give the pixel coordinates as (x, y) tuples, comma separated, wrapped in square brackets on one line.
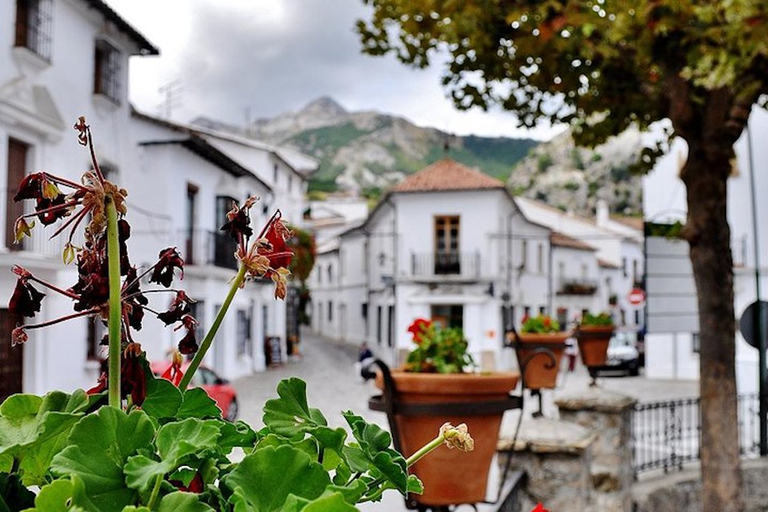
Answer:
[(593, 343), (450, 477), (540, 355)]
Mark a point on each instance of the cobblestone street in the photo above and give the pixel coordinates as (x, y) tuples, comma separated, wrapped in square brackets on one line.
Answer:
[(333, 387)]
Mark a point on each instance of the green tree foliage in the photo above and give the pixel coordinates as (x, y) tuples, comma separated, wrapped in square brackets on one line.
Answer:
[(303, 246), (601, 67)]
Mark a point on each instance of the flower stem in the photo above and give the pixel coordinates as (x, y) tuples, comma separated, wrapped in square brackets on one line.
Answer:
[(155, 492), (113, 259), (206, 343), (424, 450)]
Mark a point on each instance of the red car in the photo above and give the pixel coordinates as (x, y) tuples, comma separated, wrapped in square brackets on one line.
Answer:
[(217, 387)]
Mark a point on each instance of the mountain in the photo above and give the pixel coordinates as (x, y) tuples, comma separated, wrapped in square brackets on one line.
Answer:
[(370, 150), (573, 178)]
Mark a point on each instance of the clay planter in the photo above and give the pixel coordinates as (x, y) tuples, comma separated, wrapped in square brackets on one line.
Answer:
[(593, 343), (450, 477), (540, 372)]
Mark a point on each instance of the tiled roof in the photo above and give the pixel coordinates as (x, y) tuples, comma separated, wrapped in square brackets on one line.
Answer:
[(634, 222), (562, 240), (607, 264), (447, 175)]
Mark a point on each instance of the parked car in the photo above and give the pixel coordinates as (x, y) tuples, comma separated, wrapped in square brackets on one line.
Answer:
[(622, 354), (217, 387)]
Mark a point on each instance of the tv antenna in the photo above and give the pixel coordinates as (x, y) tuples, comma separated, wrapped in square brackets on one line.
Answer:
[(171, 92)]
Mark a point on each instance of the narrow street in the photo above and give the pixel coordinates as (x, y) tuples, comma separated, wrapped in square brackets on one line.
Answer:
[(333, 387)]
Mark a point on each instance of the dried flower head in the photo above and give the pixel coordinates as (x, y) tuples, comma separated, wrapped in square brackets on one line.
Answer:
[(457, 437)]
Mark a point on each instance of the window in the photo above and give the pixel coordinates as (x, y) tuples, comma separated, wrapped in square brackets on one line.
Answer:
[(364, 314), (197, 310), (106, 73), (524, 251), (447, 259), (244, 345), (624, 266), (17, 169), (448, 315), (224, 246), (190, 212), (635, 272), (33, 26), (330, 274), (274, 174), (695, 343), (540, 258), (95, 351), (379, 314), (542, 310), (330, 311)]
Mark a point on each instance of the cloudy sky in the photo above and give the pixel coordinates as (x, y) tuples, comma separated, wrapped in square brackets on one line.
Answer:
[(229, 59)]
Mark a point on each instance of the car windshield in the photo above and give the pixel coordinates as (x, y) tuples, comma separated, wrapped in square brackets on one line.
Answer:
[(623, 339)]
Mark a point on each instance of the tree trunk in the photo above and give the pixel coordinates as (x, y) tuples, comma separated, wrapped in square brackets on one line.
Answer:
[(705, 175)]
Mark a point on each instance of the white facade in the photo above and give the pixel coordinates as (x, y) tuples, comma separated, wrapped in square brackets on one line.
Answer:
[(79, 66), (618, 247), (49, 76), (675, 355)]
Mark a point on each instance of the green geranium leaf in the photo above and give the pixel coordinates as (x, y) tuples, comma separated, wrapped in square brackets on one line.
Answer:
[(13, 494), (415, 485), (264, 480), (163, 398), (236, 434), (327, 503), (100, 445), (63, 495), (290, 415), (182, 502), (33, 429), (352, 492), (374, 452), (197, 404), (175, 441)]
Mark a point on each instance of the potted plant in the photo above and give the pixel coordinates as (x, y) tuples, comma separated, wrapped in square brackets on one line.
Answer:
[(593, 334), (540, 349), (139, 443), (438, 373)]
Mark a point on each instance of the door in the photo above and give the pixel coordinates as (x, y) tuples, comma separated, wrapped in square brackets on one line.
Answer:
[(11, 358), (17, 168)]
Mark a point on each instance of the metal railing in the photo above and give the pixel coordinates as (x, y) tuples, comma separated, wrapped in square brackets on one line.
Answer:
[(666, 435), (445, 264), (567, 286)]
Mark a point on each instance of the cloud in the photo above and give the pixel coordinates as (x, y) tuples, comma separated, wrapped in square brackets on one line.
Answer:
[(269, 57)]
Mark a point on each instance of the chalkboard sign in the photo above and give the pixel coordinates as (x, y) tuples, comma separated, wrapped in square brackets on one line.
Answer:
[(273, 351)]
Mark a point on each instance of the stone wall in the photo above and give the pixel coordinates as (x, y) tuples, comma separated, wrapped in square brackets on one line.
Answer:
[(678, 492), (609, 416)]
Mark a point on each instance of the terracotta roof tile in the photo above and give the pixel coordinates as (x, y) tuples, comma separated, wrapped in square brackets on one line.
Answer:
[(634, 222), (562, 240), (447, 175)]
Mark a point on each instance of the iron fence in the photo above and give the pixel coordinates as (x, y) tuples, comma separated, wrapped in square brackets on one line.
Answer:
[(667, 434)]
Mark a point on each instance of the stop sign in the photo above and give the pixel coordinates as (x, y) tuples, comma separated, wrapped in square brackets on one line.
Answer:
[(636, 297)]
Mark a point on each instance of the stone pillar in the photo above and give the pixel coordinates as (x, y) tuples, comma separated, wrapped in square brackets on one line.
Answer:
[(609, 416), (555, 455)]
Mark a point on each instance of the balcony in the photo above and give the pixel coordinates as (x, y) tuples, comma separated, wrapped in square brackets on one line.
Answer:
[(576, 287), (208, 248), (447, 265)]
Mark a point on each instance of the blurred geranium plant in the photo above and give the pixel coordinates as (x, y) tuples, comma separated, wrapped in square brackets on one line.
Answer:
[(153, 444), (438, 349)]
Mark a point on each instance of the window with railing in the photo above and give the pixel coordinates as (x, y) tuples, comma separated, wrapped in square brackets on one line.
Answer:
[(244, 344), (33, 26), (106, 74), (447, 258)]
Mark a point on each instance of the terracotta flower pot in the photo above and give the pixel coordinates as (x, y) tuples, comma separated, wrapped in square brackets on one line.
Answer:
[(450, 477), (593, 343), (540, 369)]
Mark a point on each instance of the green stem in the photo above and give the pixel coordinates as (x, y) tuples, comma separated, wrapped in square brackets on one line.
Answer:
[(413, 459), (206, 343), (115, 309), (155, 492)]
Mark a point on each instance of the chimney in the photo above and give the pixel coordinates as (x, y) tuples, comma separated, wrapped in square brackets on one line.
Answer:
[(601, 213)]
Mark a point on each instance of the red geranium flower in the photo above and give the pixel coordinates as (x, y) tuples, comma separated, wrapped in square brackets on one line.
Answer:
[(419, 329), (539, 508)]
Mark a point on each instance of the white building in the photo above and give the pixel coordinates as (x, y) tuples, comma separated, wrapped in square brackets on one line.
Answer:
[(185, 185), (675, 354), (68, 58), (448, 243), (60, 60), (619, 252)]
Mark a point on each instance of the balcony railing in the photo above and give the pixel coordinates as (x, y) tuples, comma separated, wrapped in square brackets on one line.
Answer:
[(209, 248), (576, 287), (446, 264)]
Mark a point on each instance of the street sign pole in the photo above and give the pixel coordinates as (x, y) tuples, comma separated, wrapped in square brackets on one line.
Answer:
[(759, 323)]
